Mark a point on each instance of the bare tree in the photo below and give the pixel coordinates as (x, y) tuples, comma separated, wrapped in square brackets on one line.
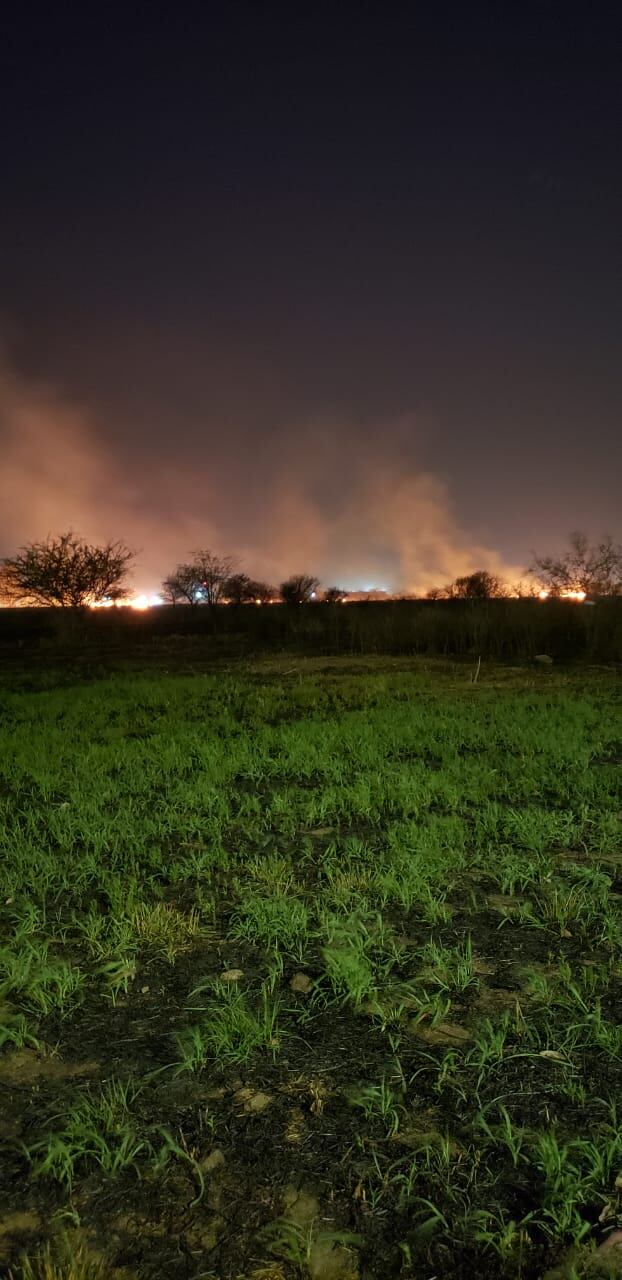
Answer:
[(299, 589), (263, 593), (213, 572), (334, 595), (480, 585), (201, 580), (240, 589), (596, 570), (182, 585), (65, 572)]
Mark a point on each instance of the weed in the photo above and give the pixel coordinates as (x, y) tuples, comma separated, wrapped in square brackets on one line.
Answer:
[(97, 1129), (231, 1029), (379, 1101)]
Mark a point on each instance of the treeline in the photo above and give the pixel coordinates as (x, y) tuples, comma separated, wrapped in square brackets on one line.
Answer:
[(68, 573), (209, 579)]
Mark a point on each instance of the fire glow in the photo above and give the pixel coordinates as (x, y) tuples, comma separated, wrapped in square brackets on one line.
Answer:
[(579, 596), (140, 602), (145, 601)]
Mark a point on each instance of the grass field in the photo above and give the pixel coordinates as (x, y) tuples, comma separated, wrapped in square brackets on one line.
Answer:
[(311, 969)]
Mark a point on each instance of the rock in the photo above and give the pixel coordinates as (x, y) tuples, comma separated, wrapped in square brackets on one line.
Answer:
[(253, 1100), (442, 1033), (205, 1237), (300, 1206), (259, 1102), (215, 1160), (232, 975), (328, 1261), (302, 984), (420, 1139), (505, 901), (543, 659), (26, 1066), (612, 1241)]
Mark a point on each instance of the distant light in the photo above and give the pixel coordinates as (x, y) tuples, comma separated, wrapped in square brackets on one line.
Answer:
[(129, 602), (579, 596), (143, 602), (313, 595)]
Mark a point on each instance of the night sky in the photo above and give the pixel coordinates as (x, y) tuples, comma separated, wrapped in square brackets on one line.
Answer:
[(327, 287)]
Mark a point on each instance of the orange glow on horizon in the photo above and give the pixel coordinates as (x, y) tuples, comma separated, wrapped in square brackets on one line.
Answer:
[(140, 602), (579, 596)]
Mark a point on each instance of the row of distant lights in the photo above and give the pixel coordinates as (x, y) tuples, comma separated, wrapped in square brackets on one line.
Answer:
[(564, 595), (143, 602), (134, 602)]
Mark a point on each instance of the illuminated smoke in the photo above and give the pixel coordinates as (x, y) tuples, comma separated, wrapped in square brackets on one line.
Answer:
[(358, 516), (57, 474)]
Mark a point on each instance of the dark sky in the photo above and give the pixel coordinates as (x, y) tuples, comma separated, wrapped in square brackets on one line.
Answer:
[(328, 286)]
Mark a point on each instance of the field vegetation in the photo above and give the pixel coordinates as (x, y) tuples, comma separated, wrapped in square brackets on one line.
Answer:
[(311, 969), (500, 629)]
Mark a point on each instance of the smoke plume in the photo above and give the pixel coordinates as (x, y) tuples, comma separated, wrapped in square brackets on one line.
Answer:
[(316, 503)]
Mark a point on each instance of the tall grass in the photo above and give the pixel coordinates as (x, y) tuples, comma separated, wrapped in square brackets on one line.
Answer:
[(502, 629)]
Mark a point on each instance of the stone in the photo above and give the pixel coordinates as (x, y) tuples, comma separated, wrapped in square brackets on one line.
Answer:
[(253, 1100), (258, 1103), (612, 1241), (329, 1261), (442, 1033), (205, 1237), (300, 1206), (302, 984), (215, 1160)]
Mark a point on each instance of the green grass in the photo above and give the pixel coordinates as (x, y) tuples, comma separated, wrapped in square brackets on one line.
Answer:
[(441, 860)]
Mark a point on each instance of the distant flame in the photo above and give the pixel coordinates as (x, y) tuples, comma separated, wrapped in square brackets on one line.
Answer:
[(564, 595), (140, 602)]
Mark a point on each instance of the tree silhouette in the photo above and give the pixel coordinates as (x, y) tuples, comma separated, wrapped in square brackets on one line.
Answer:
[(596, 570), (66, 572), (479, 585), (200, 581), (299, 589), (239, 589), (182, 585)]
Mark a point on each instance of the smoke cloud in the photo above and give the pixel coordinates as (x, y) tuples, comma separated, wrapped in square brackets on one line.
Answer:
[(314, 502)]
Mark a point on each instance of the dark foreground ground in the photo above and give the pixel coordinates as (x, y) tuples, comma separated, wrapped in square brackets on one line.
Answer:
[(310, 968)]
